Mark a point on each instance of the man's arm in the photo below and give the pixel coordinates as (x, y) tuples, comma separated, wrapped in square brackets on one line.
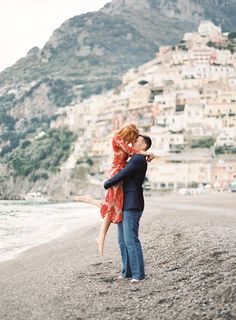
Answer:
[(134, 165)]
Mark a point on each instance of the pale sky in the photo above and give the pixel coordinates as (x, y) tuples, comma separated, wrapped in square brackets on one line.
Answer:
[(28, 23)]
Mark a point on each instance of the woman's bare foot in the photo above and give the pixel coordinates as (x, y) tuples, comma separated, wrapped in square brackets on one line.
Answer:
[(88, 199), (100, 244)]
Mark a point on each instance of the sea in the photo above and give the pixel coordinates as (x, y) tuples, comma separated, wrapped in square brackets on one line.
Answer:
[(27, 224)]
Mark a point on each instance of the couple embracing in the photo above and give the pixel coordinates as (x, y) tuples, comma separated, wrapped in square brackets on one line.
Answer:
[(124, 202)]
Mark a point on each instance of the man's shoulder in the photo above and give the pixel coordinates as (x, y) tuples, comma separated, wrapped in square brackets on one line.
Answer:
[(138, 158)]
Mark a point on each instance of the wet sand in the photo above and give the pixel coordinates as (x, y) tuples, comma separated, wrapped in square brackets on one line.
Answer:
[(189, 245)]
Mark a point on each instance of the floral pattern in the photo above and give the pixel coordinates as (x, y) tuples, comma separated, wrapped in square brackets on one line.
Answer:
[(113, 202)]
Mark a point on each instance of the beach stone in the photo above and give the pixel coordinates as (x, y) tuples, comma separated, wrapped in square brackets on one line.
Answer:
[(189, 257)]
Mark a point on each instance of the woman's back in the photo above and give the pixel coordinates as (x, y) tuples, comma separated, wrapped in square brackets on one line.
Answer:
[(122, 151)]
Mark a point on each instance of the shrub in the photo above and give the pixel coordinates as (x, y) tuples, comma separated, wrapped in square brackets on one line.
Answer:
[(211, 44), (25, 144), (143, 82), (60, 93), (45, 153), (225, 149), (203, 143), (111, 83), (232, 35), (39, 176), (7, 121), (89, 161)]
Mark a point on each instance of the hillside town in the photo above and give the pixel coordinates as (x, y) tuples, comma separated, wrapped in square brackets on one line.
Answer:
[(185, 99)]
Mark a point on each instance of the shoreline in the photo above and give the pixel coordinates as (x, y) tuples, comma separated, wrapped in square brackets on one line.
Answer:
[(42, 223), (189, 259)]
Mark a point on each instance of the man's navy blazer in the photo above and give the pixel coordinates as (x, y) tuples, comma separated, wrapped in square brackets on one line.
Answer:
[(133, 177)]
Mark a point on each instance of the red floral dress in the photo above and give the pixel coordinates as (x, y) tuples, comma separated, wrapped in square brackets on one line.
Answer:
[(113, 203)]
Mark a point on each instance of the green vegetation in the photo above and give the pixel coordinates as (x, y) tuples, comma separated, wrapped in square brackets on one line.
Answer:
[(203, 143), (7, 121), (232, 35), (225, 150), (89, 161), (143, 82), (211, 44), (180, 107), (89, 90), (7, 101), (183, 47), (14, 141), (35, 177), (111, 83), (60, 93), (14, 137), (229, 46), (45, 153)]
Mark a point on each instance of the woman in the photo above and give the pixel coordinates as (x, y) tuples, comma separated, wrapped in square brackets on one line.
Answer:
[(111, 207)]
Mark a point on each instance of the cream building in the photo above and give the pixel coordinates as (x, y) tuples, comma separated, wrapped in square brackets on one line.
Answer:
[(178, 172), (187, 92)]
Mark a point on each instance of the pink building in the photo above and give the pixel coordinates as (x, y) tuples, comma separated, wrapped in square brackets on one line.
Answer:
[(223, 173)]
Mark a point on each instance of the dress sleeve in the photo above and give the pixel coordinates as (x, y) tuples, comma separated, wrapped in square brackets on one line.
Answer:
[(124, 146)]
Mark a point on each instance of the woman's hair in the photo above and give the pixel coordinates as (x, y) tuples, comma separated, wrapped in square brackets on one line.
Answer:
[(129, 132)]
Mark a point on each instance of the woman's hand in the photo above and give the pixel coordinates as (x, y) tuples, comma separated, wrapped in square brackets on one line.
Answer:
[(150, 157)]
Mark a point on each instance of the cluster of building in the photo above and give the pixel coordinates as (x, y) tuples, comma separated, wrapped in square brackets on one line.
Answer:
[(185, 99)]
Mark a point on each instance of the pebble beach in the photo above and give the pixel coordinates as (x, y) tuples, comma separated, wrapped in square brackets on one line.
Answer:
[(189, 245)]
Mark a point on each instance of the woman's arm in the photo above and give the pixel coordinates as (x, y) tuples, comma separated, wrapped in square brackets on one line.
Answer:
[(147, 154), (124, 146), (131, 150)]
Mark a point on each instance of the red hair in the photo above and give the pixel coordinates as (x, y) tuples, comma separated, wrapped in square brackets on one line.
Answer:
[(129, 133)]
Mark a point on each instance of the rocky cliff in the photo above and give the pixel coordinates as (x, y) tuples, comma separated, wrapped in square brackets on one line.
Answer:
[(89, 53)]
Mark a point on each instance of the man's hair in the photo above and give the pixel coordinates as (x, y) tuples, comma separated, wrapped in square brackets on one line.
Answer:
[(148, 140)]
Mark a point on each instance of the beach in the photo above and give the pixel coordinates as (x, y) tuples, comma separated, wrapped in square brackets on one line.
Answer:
[(189, 245), (26, 224)]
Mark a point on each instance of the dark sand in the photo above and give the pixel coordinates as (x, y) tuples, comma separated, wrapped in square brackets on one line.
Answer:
[(189, 245)]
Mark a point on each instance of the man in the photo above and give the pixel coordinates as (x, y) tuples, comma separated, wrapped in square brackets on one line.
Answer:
[(133, 177)]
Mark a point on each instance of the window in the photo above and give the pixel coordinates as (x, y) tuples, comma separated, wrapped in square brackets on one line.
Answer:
[(179, 107)]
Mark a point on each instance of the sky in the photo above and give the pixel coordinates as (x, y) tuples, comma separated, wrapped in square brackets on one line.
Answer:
[(28, 23)]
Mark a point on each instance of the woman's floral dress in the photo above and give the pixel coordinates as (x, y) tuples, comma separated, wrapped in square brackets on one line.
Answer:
[(113, 203)]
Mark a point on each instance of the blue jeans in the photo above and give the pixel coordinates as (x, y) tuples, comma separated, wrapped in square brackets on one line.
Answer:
[(130, 246)]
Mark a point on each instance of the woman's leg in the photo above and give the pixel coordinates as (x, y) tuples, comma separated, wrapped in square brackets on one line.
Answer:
[(102, 235), (105, 223), (88, 199)]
